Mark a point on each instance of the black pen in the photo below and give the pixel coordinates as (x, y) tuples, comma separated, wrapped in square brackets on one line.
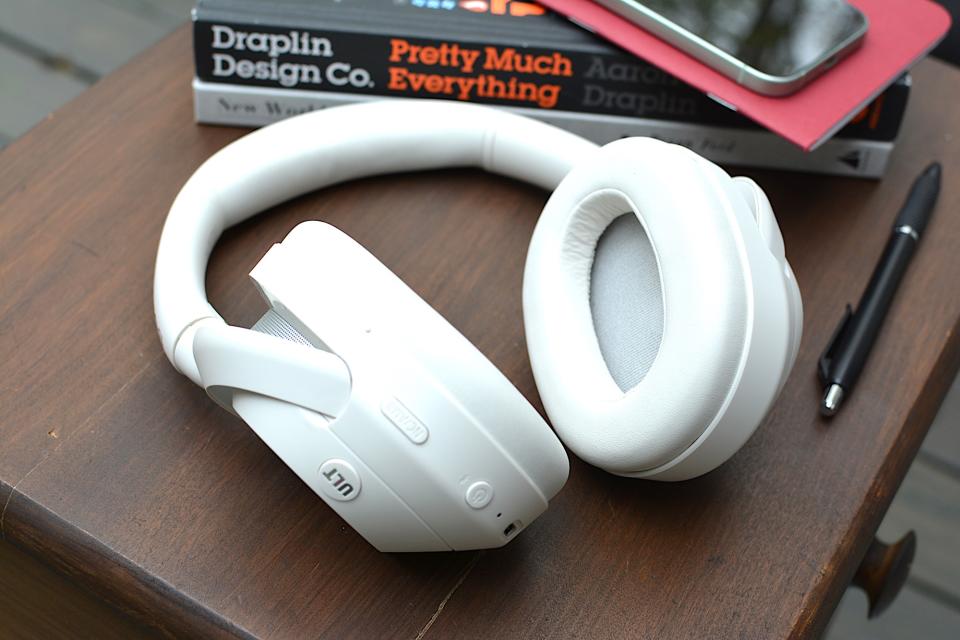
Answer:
[(843, 359)]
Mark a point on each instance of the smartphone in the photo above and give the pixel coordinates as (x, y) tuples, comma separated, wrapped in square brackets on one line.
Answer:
[(773, 47)]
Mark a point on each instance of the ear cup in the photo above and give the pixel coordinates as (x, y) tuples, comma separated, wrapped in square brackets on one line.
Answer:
[(770, 232), (384, 328), (645, 282)]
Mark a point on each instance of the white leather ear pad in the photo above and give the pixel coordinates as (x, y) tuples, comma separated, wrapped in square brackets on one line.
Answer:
[(713, 269)]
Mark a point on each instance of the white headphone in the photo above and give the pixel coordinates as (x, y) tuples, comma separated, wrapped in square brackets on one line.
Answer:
[(661, 317)]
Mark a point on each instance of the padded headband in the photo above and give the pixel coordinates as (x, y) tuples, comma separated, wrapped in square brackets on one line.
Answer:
[(293, 157)]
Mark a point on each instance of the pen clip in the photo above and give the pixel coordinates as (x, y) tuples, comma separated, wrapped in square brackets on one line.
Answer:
[(826, 358)]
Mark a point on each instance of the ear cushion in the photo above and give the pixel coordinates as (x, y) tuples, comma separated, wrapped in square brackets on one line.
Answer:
[(695, 221)]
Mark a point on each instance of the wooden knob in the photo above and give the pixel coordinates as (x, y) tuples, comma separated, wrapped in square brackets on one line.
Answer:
[(884, 570)]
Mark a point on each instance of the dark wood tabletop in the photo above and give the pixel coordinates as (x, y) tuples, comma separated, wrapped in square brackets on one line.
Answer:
[(121, 474)]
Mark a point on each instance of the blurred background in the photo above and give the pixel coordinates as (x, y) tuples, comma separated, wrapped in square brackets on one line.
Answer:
[(52, 50)]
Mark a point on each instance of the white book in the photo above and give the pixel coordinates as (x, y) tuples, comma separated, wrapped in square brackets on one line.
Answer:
[(244, 105)]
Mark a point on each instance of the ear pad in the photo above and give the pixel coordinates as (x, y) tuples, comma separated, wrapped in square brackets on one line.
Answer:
[(660, 321)]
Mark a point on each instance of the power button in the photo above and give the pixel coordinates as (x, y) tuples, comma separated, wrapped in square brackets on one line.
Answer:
[(478, 495)]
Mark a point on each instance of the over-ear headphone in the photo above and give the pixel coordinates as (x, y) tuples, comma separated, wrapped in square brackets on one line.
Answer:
[(661, 317)]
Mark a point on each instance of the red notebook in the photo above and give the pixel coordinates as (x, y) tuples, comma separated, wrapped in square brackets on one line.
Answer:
[(900, 34)]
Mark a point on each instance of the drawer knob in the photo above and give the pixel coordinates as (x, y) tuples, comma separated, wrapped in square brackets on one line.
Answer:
[(883, 571)]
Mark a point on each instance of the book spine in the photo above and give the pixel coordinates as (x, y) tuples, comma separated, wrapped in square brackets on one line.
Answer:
[(604, 81), (240, 105)]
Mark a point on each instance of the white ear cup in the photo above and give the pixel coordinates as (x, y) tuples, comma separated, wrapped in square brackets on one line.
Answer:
[(380, 323), (770, 232), (726, 314)]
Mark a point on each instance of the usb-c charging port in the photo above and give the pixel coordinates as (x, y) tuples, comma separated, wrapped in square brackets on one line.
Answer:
[(512, 528)]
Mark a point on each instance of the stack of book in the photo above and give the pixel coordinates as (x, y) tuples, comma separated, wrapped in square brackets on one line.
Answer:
[(258, 61)]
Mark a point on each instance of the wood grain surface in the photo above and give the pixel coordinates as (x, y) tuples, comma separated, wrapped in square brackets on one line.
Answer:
[(122, 475), (38, 602)]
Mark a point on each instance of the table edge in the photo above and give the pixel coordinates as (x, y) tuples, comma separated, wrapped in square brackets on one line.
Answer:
[(812, 621), (111, 576)]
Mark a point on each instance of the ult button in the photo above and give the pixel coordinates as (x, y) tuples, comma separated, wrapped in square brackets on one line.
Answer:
[(479, 494), (339, 480)]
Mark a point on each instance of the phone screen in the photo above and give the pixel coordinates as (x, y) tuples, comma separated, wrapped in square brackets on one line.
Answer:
[(776, 37)]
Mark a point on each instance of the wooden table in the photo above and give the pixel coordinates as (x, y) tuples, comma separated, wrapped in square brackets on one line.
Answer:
[(124, 477)]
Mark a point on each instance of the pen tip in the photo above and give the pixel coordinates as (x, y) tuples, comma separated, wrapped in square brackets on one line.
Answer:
[(934, 170), (831, 400)]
